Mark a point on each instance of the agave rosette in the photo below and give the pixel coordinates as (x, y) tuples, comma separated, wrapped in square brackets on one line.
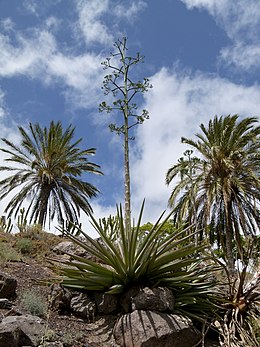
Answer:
[(143, 260)]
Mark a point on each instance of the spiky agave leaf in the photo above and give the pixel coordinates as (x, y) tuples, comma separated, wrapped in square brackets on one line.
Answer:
[(146, 260), (240, 308)]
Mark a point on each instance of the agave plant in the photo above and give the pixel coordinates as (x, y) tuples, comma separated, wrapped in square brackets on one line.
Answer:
[(149, 260), (241, 308)]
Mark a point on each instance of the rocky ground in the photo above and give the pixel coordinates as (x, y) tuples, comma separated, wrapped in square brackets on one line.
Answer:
[(64, 330), (71, 330)]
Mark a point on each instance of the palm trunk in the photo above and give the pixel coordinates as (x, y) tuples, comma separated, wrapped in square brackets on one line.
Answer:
[(229, 237), (44, 197)]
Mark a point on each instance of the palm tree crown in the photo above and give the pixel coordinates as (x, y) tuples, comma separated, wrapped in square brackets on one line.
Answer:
[(220, 188), (48, 167)]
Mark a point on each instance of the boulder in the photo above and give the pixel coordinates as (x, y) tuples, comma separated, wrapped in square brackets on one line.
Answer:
[(8, 285), (5, 304), (106, 303), (156, 299), (59, 299), (83, 306), (127, 297), (70, 247), (52, 344), (19, 331), (155, 329)]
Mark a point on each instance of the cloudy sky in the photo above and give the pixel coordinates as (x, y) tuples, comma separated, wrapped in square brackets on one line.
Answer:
[(202, 57)]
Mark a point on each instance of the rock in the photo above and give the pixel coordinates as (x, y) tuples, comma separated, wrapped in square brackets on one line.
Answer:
[(59, 299), (156, 299), (19, 331), (70, 247), (106, 303), (5, 304), (127, 297), (83, 306), (154, 329), (52, 344), (8, 285)]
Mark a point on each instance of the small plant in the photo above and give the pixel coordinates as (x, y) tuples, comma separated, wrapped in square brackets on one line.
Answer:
[(239, 325), (68, 340), (24, 246), (34, 303), (22, 221), (8, 253), (49, 336)]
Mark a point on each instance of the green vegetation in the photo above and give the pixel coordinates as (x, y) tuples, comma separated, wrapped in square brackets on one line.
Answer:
[(48, 165), (216, 199), (239, 324), (24, 246), (34, 303), (119, 82), (220, 189), (8, 253), (146, 260)]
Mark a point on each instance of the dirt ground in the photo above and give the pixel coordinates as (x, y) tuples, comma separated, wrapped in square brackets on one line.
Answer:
[(71, 330)]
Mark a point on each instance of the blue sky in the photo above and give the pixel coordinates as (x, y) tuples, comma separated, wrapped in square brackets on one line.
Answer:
[(202, 57)]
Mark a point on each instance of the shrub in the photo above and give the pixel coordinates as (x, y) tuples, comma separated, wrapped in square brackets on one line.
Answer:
[(149, 260), (239, 318), (24, 246), (8, 253), (34, 303)]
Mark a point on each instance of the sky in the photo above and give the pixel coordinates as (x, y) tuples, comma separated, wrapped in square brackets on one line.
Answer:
[(201, 56)]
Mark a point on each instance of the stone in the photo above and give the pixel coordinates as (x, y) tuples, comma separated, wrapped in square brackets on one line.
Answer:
[(59, 299), (106, 303), (8, 285), (83, 306), (70, 247), (127, 297), (156, 299), (155, 329), (19, 331), (5, 304), (52, 344)]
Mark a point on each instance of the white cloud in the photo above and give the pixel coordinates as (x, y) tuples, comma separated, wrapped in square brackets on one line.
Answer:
[(29, 56), (7, 24), (242, 55), (36, 53), (241, 22), (132, 11), (90, 22), (38, 56), (2, 105), (31, 6), (178, 104)]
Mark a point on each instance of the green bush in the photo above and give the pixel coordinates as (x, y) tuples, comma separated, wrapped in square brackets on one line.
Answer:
[(8, 253), (34, 303), (24, 246), (146, 260)]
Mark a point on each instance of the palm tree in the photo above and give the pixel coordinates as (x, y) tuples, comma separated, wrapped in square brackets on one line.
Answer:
[(47, 171), (224, 189)]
